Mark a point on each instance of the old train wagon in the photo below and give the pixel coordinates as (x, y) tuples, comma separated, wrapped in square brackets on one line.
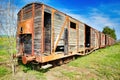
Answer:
[(91, 38), (111, 41), (95, 38), (46, 35), (102, 40), (106, 40)]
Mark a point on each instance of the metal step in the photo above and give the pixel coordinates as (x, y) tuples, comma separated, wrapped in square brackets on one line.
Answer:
[(46, 66)]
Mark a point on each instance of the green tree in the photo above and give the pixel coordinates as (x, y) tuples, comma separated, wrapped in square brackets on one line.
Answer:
[(109, 31)]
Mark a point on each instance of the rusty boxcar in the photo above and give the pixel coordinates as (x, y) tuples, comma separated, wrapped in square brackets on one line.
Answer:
[(48, 36), (102, 40), (106, 40)]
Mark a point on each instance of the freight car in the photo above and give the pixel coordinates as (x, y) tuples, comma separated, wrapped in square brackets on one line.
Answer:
[(48, 36)]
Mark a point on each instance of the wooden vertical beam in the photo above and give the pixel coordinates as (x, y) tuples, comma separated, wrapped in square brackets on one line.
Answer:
[(100, 39), (78, 36), (33, 11), (97, 40), (21, 15), (68, 26), (42, 37), (84, 36), (66, 37), (90, 37), (52, 32)]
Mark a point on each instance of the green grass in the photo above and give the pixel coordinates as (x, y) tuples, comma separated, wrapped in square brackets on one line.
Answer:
[(70, 75), (3, 51), (5, 48), (39, 74), (105, 63), (3, 71), (5, 56), (102, 64)]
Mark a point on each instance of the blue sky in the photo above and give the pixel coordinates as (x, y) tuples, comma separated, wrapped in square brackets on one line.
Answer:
[(96, 13)]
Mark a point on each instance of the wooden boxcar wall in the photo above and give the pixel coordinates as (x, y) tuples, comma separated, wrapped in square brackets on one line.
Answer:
[(102, 39), (76, 37), (59, 20), (37, 28), (73, 28), (106, 40), (96, 39), (81, 37), (93, 37), (42, 29), (61, 23), (47, 29), (26, 14), (110, 41), (57, 32)]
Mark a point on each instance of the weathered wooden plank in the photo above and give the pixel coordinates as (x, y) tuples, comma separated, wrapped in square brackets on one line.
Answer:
[(60, 33), (37, 28), (59, 20)]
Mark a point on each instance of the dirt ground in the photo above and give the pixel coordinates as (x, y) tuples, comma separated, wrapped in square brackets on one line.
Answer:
[(63, 72)]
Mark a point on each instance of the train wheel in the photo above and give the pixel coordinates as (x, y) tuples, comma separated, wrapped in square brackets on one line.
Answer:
[(66, 60), (60, 62), (73, 58), (54, 63)]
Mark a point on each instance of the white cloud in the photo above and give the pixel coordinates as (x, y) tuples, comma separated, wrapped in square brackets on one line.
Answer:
[(94, 19), (100, 20), (116, 12)]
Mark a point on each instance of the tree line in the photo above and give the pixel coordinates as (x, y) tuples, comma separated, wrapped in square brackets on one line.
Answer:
[(111, 32)]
